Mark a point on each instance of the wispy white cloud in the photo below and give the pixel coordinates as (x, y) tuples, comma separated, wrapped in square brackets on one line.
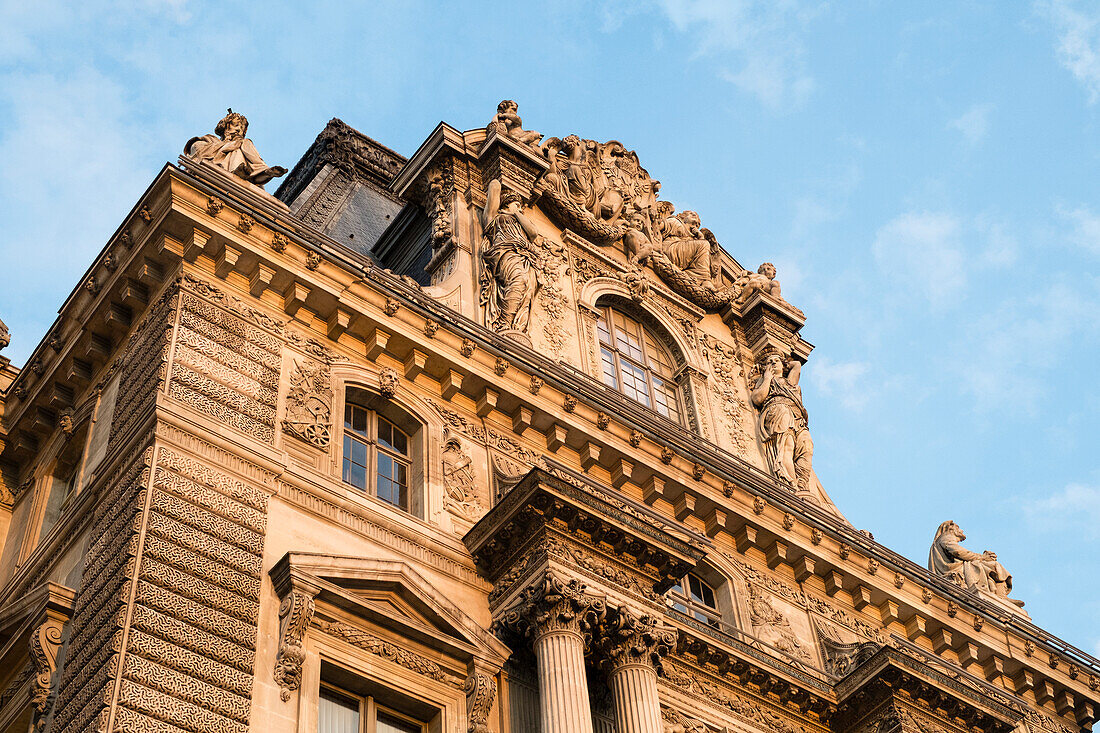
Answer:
[(973, 123), (1076, 505), (1006, 358), (923, 251), (1084, 227), (758, 43), (845, 381), (1078, 46)]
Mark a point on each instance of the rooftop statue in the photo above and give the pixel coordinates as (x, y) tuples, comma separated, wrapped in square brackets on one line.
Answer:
[(784, 427), (507, 122), (967, 568), (5, 337), (763, 281), (230, 150)]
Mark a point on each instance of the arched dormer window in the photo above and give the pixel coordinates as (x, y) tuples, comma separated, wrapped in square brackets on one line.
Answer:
[(382, 452), (637, 364)]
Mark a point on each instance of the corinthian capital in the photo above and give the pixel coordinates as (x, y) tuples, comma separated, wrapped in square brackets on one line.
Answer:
[(553, 603), (634, 638)]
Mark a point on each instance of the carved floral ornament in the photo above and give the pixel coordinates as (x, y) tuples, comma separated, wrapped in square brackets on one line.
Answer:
[(308, 403)]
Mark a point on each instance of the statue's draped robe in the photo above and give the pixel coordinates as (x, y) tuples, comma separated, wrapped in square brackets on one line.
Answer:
[(784, 428), (948, 557), (509, 274), (237, 156)]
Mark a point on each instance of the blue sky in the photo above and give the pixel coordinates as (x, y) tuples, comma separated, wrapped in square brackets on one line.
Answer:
[(923, 175)]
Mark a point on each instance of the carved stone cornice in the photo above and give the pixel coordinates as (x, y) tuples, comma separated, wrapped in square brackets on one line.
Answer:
[(665, 552), (630, 638), (890, 676), (551, 604)]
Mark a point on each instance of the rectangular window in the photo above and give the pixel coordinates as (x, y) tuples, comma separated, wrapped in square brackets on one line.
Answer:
[(340, 712)]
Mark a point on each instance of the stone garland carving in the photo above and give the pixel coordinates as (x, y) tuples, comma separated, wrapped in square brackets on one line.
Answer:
[(810, 603), (742, 707), (44, 643), (673, 721), (481, 693), (772, 627), (230, 150), (783, 422), (725, 362), (308, 404), (295, 614), (973, 571), (459, 497), (441, 186), (372, 644), (486, 436), (602, 569)]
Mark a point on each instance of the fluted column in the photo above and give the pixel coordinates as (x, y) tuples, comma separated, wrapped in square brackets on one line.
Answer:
[(563, 686), (556, 613), (633, 646)]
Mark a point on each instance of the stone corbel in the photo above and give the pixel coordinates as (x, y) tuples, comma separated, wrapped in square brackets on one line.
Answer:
[(45, 642), (481, 693), (295, 613)]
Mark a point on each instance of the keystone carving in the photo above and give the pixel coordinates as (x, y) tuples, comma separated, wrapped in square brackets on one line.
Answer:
[(295, 613)]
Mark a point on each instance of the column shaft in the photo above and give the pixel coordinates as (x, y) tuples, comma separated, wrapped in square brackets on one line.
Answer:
[(637, 704), (563, 688)]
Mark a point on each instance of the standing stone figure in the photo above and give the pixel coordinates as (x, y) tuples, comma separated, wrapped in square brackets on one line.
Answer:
[(783, 420), (968, 568), (508, 279), (230, 150)]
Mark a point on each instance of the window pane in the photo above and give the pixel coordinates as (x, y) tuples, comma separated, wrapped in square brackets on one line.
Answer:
[(389, 724), (337, 713), (609, 377), (355, 474), (400, 441), (385, 432), (602, 329), (355, 419), (385, 465), (359, 452)]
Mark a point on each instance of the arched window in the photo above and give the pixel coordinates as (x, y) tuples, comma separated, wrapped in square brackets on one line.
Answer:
[(695, 597), (636, 364), (381, 450)]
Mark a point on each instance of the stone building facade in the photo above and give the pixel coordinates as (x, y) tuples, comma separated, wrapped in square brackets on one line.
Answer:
[(490, 438)]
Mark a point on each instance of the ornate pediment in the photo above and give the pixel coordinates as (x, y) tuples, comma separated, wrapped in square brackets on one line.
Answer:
[(391, 595)]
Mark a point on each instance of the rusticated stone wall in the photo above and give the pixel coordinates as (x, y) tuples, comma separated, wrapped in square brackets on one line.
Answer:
[(164, 632), (225, 367), (176, 645)]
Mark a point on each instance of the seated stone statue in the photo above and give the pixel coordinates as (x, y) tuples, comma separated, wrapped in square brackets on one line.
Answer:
[(763, 280), (507, 122), (975, 572), (230, 150)]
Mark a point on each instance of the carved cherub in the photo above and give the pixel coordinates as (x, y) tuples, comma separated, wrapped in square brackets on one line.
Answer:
[(763, 280), (230, 150), (507, 120)]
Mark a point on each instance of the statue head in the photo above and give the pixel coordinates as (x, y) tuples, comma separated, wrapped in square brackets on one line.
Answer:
[(233, 125), (949, 527), (767, 270), (509, 198), (772, 358), (665, 209), (570, 143), (691, 220), (507, 106)]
